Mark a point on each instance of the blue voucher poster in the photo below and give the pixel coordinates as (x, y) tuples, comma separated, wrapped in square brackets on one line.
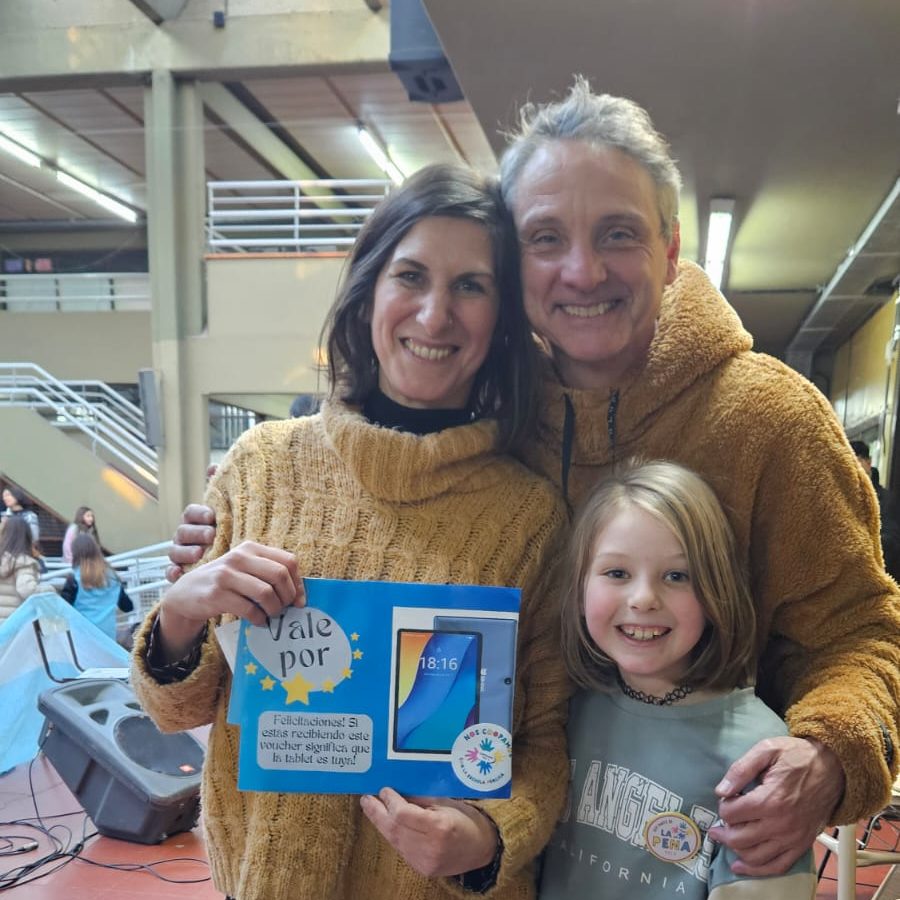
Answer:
[(380, 684)]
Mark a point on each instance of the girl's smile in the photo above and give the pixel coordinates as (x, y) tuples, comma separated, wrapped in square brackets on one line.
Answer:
[(639, 601)]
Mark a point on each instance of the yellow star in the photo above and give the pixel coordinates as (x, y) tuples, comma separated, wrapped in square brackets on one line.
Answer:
[(250, 668), (354, 636), (328, 687), (347, 673), (357, 654), (267, 683), (297, 688)]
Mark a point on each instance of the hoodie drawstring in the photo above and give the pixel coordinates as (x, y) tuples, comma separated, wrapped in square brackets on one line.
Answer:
[(611, 422), (568, 436)]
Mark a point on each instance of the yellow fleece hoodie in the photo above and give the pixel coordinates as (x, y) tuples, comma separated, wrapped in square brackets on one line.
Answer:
[(803, 511)]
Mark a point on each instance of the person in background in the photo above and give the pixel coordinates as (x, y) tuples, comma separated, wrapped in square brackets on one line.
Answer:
[(15, 500), (890, 525), (93, 588), (304, 405), (404, 475), (18, 568), (659, 630), (84, 522)]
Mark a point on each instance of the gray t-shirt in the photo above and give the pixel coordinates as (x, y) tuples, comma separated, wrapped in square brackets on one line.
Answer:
[(631, 761)]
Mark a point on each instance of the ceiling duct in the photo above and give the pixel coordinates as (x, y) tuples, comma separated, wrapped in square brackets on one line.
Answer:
[(847, 300), (417, 55), (159, 11)]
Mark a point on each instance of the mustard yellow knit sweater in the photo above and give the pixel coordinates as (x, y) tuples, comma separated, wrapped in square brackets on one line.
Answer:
[(353, 500)]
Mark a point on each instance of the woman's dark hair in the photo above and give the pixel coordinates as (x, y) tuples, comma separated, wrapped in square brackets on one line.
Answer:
[(20, 496), (85, 529), (15, 537), (504, 385)]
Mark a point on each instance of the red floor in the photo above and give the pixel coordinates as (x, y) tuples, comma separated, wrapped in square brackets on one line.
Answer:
[(181, 858)]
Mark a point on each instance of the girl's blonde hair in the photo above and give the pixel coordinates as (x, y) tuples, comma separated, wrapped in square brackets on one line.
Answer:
[(88, 558), (725, 656)]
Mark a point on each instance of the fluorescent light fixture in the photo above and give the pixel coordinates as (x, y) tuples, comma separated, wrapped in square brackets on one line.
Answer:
[(19, 152), (721, 213), (379, 155), (113, 206)]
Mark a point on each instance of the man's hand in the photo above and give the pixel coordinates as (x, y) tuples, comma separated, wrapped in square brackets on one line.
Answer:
[(800, 785), (251, 581), (435, 836), (196, 532)]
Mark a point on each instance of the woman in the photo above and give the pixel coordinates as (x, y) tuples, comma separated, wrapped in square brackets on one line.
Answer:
[(18, 567), (84, 522), (399, 477), (14, 499), (93, 588)]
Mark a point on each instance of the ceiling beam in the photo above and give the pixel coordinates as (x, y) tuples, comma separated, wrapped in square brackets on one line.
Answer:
[(46, 198), (256, 134), (252, 131), (158, 11), (39, 51)]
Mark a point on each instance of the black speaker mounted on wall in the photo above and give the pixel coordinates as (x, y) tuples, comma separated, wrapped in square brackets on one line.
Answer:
[(417, 55), (135, 783)]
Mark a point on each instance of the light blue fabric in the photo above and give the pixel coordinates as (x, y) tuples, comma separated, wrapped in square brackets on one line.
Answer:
[(98, 605), (22, 675)]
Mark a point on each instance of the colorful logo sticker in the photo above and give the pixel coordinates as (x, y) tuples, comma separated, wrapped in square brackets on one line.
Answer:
[(482, 757), (672, 837)]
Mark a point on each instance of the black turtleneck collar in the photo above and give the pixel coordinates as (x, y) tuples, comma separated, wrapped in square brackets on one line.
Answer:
[(380, 410)]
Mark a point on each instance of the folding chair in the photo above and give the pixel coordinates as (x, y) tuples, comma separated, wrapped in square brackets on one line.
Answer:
[(853, 853)]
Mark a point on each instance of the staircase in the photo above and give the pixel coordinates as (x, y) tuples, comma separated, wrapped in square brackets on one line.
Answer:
[(74, 443)]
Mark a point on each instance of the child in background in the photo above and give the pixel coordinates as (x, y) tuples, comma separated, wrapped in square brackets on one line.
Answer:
[(18, 567), (83, 523), (659, 631), (94, 588)]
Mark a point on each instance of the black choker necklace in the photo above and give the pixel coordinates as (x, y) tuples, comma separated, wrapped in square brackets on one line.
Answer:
[(674, 695)]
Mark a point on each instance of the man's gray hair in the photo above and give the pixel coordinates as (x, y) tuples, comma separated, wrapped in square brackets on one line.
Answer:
[(599, 120)]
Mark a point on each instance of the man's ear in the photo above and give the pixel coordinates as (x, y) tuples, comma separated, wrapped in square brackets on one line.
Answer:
[(672, 251)]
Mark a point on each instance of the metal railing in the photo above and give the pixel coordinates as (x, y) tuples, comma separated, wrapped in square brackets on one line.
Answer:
[(104, 425), (100, 393), (143, 572), (317, 215), (75, 292)]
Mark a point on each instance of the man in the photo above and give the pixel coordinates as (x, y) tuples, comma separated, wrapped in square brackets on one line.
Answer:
[(644, 357), (890, 527)]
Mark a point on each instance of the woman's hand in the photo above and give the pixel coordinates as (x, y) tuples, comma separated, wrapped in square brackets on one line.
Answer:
[(436, 836), (251, 581), (196, 532)]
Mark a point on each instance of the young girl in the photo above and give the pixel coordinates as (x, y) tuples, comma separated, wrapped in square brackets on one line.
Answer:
[(94, 589), (659, 630), (83, 523), (18, 567)]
